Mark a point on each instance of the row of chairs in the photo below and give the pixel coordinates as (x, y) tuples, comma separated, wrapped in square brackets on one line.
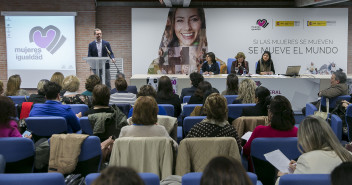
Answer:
[(229, 98)]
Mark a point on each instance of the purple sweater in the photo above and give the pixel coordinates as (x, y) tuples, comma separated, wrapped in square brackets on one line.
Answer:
[(10, 131)]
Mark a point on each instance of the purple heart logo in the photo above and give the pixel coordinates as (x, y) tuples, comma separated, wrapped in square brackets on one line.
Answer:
[(261, 22), (43, 41)]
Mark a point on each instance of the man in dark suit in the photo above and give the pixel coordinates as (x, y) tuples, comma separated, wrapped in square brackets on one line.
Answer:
[(100, 48)]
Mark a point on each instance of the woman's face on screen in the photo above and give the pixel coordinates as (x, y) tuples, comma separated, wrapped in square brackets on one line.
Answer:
[(187, 25)]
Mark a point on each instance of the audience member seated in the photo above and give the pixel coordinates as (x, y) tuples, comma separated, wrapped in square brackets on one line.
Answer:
[(281, 122), (58, 78), (197, 97), (265, 65), (40, 97), (8, 126), (321, 150), (165, 95), (104, 116), (91, 82), (53, 107), (122, 96), (215, 124), (71, 85), (148, 90), (195, 78), (337, 87), (342, 174), (210, 67), (1, 88), (246, 92), (224, 170), (145, 120), (200, 110), (13, 87), (231, 85), (240, 63), (114, 175), (262, 100), (130, 89)]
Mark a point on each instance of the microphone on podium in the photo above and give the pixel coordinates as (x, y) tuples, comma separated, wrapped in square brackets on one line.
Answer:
[(109, 53)]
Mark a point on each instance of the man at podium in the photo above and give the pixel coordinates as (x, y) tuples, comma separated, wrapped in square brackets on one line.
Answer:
[(101, 48)]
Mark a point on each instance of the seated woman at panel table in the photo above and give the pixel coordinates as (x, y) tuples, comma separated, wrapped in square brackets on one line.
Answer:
[(321, 150), (240, 64), (215, 124), (281, 122), (246, 92), (262, 100), (210, 67), (265, 65), (144, 120)]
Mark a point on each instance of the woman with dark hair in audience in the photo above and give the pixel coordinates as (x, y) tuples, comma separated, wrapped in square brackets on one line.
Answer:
[(200, 110), (148, 90), (195, 78), (262, 100), (114, 175), (13, 87), (165, 95), (223, 170), (198, 96), (265, 65), (215, 124), (40, 97), (91, 82), (246, 92), (144, 120), (210, 67), (231, 85), (281, 122), (8, 126), (342, 174)]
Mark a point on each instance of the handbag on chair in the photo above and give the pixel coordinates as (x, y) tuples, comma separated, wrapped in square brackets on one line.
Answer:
[(321, 114)]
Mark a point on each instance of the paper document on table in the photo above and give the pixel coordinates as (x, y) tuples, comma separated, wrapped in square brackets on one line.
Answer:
[(279, 160), (247, 135)]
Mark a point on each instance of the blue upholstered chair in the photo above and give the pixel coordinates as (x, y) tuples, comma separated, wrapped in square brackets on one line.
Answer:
[(265, 171), (168, 108), (2, 164), (18, 99), (187, 109), (310, 108), (230, 98), (46, 126), (85, 126), (148, 178), (235, 110), (190, 121), (194, 178), (18, 153), (186, 99), (132, 89), (77, 108), (125, 108), (348, 120), (32, 179), (336, 126), (229, 64), (305, 179)]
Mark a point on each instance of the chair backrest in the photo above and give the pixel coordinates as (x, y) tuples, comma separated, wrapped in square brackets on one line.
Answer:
[(124, 107), (348, 119), (187, 109), (18, 153), (190, 121), (85, 126), (168, 108), (336, 125), (32, 179), (332, 101), (148, 178), (2, 164), (132, 89), (90, 158), (235, 110), (260, 146), (305, 179), (18, 99), (195, 177), (144, 154), (230, 98), (191, 152), (186, 99), (229, 64), (77, 108), (46, 126), (256, 64)]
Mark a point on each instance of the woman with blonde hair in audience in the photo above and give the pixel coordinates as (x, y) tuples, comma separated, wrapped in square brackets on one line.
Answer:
[(71, 85), (223, 170), (1, 87), (215, 124), (246, 92), (13, 87)]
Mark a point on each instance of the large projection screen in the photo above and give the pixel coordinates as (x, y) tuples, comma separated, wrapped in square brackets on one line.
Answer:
[(39, 44)]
